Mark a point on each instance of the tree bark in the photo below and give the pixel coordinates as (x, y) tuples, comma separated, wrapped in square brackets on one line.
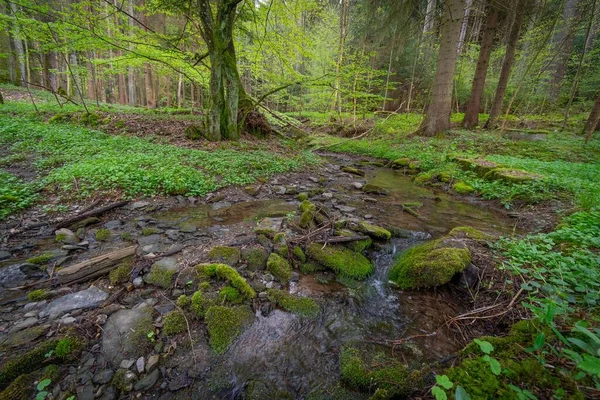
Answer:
[(130, 69), (18, 45), (337, 85), (471, 118), (463, 28), (593, 122), (507, 63), (437, 117), (564, 43), (429, 16)]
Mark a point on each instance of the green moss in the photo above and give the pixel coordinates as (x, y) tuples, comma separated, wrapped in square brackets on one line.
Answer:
[(224, 324), (299, 254), (121, 273), (231, 295), (358, 245), (302, 196), (423, 178), (22, 388), (86, 222), (341, 260), (161, 276), (353, 171), (37, 295), (311, 267), (303, 306), (147, 231), (121, 380), (469, 232), (197, 304), (279, 267), (376, 232), (255, 257), (25, 363), (42, 259), (511, 175), (306, 218), (428, 265), (60, 237), (143, 327), (225, 254), (126, 236), (401, 162), (282, 250), (462, 188), (102, 235), (368, 372), (307, 206), (174, 323), (67, 347), (414, 165), (444, 176), (183, 301), (374, 189), (279, 238), (479, 165), (226, 272)]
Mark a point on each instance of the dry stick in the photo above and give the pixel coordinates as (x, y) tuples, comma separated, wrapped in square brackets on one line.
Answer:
[(92, 213), (470, 316)]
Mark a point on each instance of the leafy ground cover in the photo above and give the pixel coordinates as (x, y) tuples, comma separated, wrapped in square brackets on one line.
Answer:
[(80, 162), (568, 165)]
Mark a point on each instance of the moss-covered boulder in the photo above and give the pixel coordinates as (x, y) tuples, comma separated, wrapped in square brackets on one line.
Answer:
[(358, 245), (226, 272), (341, 260), (269, 226), (353, 171), (402, 162), (370, 371), (374, 231), (162, 272), (174, 323), (480, 166), (224, 324), (511, 175), (225, 254), (255, 257), (279, 267), (303, 306), (469, 232), (374, 189), (461, 187), (423, 178), (429, 265)]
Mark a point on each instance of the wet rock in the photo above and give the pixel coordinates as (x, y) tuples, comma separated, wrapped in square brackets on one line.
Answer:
[(353, 171), (24, 324), (67, 236), (470, 276), (147, 381), (71, 247), (89, 298), (121, 337), (219, 205), (4, 255), (374, 189), (225, 254), (126, 364), (140, 364), (103, 376), (19, 273), (85, 392), (269, 226), (22, 337), (152, 362), (374, 231)]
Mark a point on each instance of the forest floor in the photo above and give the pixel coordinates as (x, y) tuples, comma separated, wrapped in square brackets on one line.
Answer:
[(188, 197)]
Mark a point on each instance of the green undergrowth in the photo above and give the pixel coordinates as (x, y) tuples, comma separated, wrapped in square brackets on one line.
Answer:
[(565, 162), (81, 162)]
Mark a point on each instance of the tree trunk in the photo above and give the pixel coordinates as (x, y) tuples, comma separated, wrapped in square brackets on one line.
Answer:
[(593, 122), (463, 28), (509, 58), (471, 118), (429, 16), (564, 43), (130, 69), (337, 85), (437, 117), (227, 94), (18, 45)]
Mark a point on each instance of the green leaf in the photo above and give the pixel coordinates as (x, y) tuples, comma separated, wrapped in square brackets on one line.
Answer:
[(461, 394), (438, 393), (590, 364), (444, 381), (485, 346), (495, 366), (43, 384), (539, 341)]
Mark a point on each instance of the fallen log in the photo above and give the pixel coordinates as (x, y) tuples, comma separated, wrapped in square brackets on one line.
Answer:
[(94, 267), (342, 239), (93, 213)]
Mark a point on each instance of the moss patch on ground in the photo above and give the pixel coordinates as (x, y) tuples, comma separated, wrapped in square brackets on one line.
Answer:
[(174, 323), (341, 260), (225, 254), (374, 231), (429, 265), (102, 235), (256, 257), (121, 273), (279, 267), (226, 272), (37, 295), (303, 306), (470, 233), (161, 276), (224, 324)]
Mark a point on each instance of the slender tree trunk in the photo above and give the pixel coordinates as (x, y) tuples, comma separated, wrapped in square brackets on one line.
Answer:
[(593, 122), (389, 69), (564, 42), (337, 86), (429, 16), (463, 28), (437, 117), (130, 69), (168, 89), (509, 58), (471, 118), (18, 45)]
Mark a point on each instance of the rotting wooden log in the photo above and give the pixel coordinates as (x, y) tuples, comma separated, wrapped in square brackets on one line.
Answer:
[(93, 213), (342, 239), (94, 267)]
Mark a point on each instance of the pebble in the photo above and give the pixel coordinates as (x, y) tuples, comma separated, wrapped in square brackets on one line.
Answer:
[(313, 179), (357, 185), (138, 282), (327, 195), (140, 364), (101, 319), (126, 364), (103, 376), (67, 321), (152, 362), (368, 216)]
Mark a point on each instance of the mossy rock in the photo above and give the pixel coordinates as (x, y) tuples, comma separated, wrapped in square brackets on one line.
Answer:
[(429, 265), (41, 259), (226, 272), (225, 254), (279, 238), (86, 222), (161, 275), (374, 189), (37, 295), (279, 267), (470, 233), (121, 273), (303, 306), (306, 218), (341, 260), (231, 295), (463, 188), (306, 206), (414, 165), (374, 231), (480, 166), (369, 371), (299, 254), (102, 235), (256, 257), (149, 230), (358, 245), (198, 304), (282, 250), (423, 179), (310, 267), (511, 175), (174, 323), (224, 324), (353, 171), (402, 162), (23, 337)]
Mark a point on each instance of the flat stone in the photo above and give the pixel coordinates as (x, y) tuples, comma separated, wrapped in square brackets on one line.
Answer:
[(140, 364), (269, 226), (89, 298), (24, 324), (23, 337), (152, 362), (220, 205), (126, 364), (85, 392), (345, 209), (187, 227), (148, 240), (103, 376), (114, 224), (67, 321), (118, 335), (4, 255), (166, 263), (327, 195), (179, 382), (138, 204), (313, 179), (19, 273), (164, 309), (174, 249), (147, 381), (71, 247), (66, 236)]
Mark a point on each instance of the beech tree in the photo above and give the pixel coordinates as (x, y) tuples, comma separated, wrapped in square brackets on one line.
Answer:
[(437, 117)]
